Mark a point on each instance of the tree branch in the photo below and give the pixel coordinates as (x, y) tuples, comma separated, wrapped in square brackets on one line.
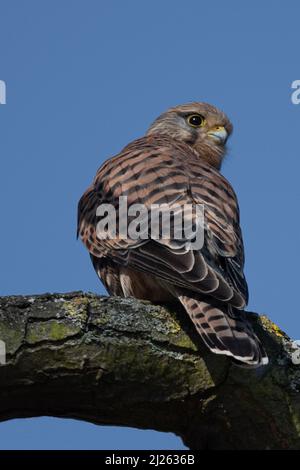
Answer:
[(129, 363)]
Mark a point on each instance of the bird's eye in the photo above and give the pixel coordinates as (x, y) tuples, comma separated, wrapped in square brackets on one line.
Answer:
[(196, 120)]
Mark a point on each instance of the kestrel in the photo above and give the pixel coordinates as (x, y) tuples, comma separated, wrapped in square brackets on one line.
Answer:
[(177, 162)]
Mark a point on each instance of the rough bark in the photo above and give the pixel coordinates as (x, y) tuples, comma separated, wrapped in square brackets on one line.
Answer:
[(129, 363)]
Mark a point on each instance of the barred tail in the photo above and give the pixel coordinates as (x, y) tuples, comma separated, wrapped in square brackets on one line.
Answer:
[(225, 331)]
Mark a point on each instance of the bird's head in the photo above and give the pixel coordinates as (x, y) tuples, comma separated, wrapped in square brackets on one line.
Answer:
[(200, 125)]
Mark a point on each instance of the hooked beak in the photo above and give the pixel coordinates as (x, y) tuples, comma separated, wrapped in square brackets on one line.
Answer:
[(218, 134)]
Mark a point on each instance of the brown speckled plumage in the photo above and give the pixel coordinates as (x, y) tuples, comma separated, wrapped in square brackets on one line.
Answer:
[(175, 162)]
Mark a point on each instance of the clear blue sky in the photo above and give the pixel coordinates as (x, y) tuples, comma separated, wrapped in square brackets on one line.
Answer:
[(84, 77)]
